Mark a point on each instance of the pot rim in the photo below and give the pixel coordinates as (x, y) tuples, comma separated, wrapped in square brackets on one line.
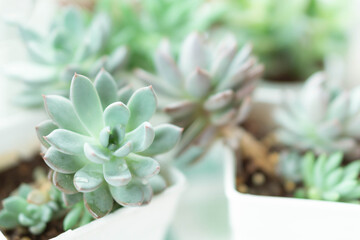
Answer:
[(232, 193)]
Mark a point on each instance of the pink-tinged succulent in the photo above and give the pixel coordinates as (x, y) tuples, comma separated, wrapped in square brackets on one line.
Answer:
[(207, 87), (320, 118)]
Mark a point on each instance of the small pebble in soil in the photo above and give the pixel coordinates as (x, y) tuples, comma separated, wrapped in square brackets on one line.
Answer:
[(258, 179), (242, 188), (289, 186)]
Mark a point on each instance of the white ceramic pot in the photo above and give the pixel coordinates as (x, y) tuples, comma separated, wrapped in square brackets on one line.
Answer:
[(202, 211), (149, 222), (263, 217)]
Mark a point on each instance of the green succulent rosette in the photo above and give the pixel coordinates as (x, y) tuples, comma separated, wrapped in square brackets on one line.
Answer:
[(31, 208), (325, 179), (71, 44), (207, 87), (320, 118), (102, 149)]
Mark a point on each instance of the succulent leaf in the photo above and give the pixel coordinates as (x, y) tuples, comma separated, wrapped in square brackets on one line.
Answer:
[(61, 162), (95, 154), (124, 150), (89, 110), (64, 182), (116, 113), (63, 114), (158, 184), (98, 202), (141, 137), (325, 179), (67, 141), (106, 88), (116, 172), (72, 199), (89, 178), (193, 54), (166, 137), (8, 220), (44, 129), (142, 106), (198, 84), (142, 167), (72, 218), (129, 195)]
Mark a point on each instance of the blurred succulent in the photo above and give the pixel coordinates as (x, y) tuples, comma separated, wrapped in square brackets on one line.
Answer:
[(289, 166), (208, 88), (32, 207), (325, 179), (292, 39), (102, 148), (142, 24), (77, 217), (320, 118), (70, 45)]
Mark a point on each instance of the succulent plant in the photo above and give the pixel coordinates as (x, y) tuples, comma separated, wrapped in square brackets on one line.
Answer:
[(31, 207), (77, 216), (208, 87), (141, 25), (292, 39), (325, 179), (70, 45), (320, 118), (289, 166), (101, 149)]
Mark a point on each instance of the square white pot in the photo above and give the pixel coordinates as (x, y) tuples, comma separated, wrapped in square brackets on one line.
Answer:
[(263, 217), (149, 222), (202, 211)]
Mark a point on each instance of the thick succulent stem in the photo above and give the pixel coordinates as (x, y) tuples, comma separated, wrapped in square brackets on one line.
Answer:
[(249, 147)]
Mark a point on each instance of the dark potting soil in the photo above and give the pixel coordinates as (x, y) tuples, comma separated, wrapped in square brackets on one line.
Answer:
[(252, 180), (11, 179), (259, 183)]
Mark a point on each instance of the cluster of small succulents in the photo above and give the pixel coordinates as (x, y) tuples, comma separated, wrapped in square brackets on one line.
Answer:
[(320, 118), (291, 39), (208, 87), (325, 179), (141, 25), (100, 148), (70, 45), (32, 207)]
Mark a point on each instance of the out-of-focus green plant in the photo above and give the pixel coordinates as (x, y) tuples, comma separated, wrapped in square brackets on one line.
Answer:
[(71, 44), (207, 88), (141, 25), (325, 179), (77, 216), (320, 118), (32, 206), (292, 38), (289, 166)]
